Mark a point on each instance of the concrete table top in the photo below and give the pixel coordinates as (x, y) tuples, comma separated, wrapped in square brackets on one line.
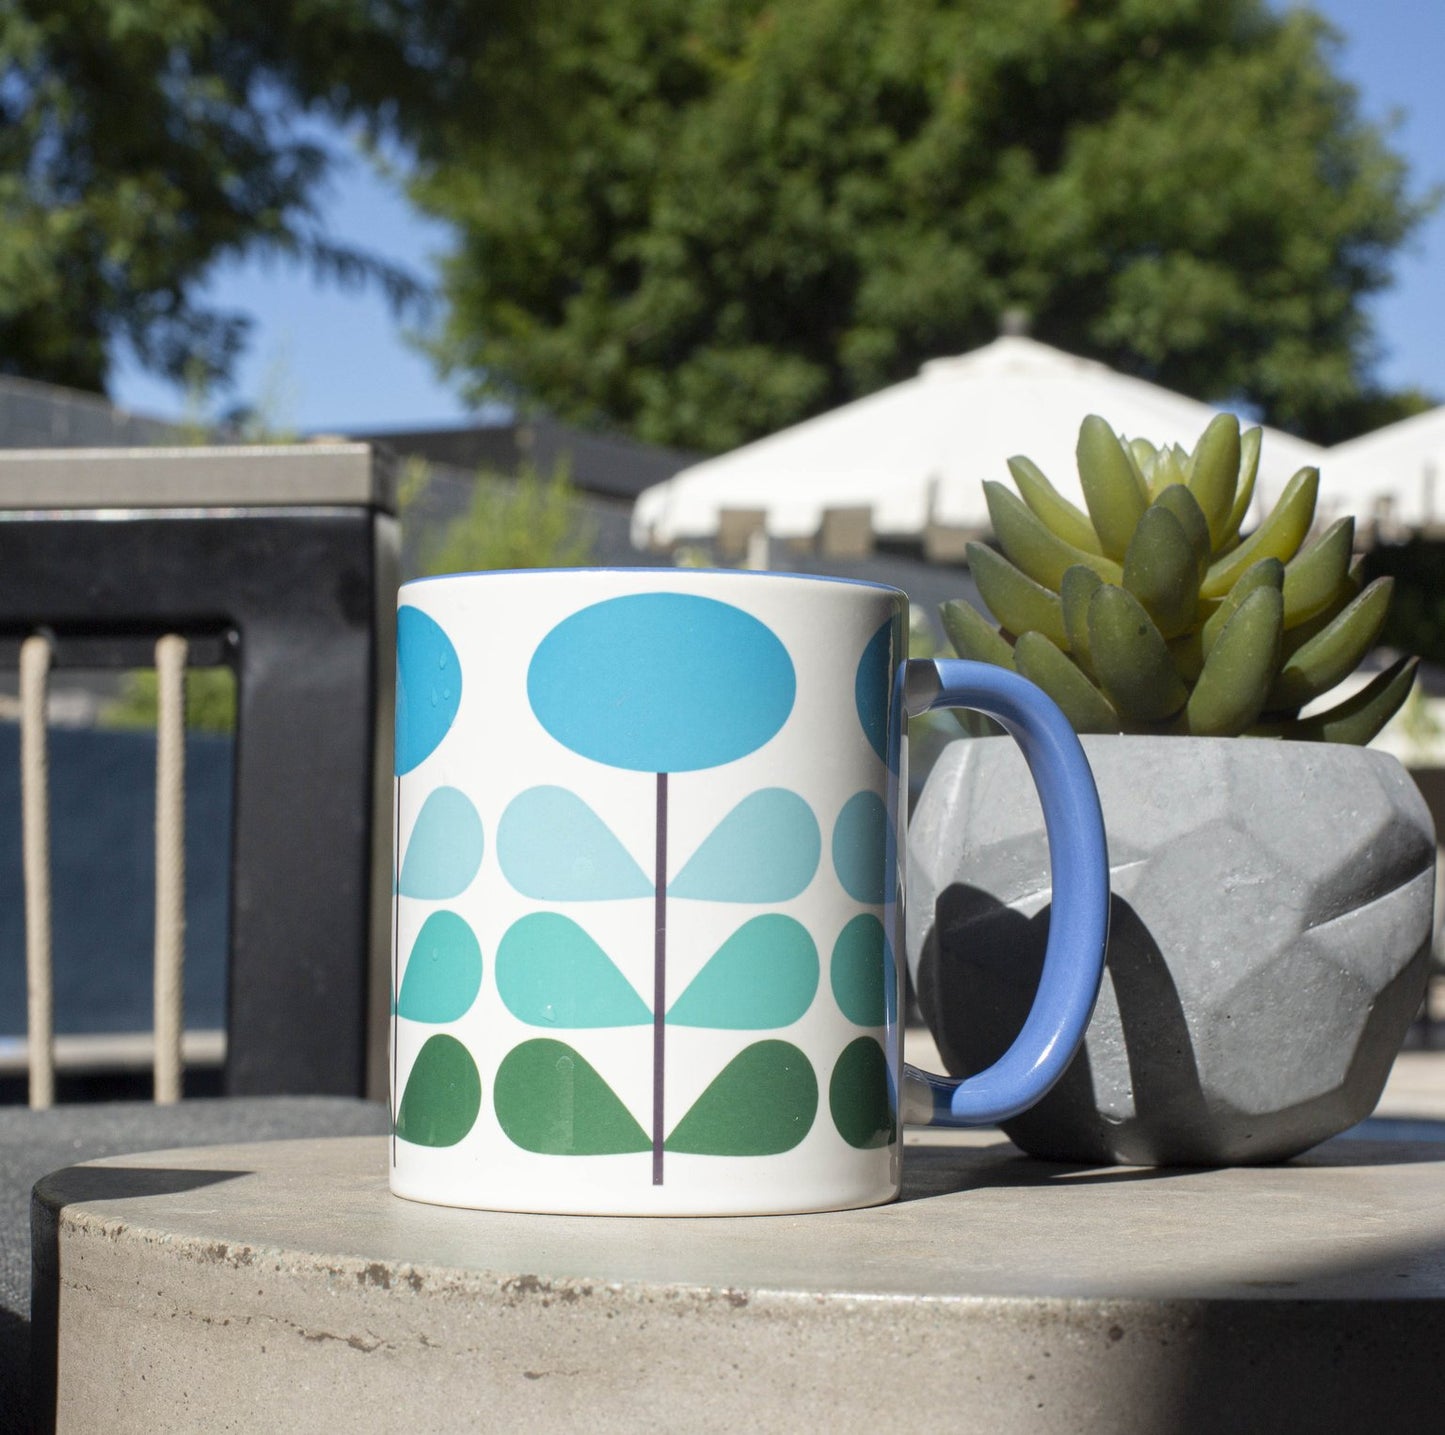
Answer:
[(281, 1286)]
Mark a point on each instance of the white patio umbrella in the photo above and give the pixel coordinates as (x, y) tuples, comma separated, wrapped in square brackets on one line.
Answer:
[(916, 453), (1394, 476)]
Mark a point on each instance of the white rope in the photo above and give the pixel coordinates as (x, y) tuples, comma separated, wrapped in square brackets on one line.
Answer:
[(170, 951), (35, 859)]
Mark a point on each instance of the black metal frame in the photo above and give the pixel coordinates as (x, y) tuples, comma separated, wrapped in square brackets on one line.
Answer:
[(300, 602)]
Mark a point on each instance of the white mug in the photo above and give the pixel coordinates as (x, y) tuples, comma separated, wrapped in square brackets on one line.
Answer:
[(648, 892)]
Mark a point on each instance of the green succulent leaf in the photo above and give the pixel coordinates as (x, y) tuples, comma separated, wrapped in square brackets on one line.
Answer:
[(1113, 491), (1353, 585), (1249, 442), (1187, 651), (1149, 613), (1032, 548), (1235, 682), (1267, 573), (1078, 588), (973, 636), (1131, 657), (1359, 718), (1336, 652), (1168, 472), (1279, 536), (1161, 572), (1141, 473), (1052, 508), (1178, 500), (1314, 577), (1215, 474), (1018, 603), (1086, 708), (1144, 455)]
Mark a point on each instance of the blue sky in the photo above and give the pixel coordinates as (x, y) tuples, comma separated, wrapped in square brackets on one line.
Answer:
[(323, 359)]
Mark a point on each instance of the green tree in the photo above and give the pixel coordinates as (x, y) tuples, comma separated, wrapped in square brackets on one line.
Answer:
[(143, 141), (732, 214)]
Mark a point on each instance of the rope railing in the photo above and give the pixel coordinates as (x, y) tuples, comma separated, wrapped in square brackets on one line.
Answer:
[(36, 656), (170, 934)]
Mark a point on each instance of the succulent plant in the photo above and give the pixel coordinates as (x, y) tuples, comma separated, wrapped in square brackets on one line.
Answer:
[(1151, 614)]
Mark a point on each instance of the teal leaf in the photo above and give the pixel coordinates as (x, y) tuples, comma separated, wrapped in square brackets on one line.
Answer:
[(445, 850), (443, 1095), (443, 973), (765, 850), (549, 1099), (764, 975), (873, 688), (861, 1096), (763, 1102), (860, 838), (861, 970), (553, 847), (428, 686), (661, 682), (550, 972)]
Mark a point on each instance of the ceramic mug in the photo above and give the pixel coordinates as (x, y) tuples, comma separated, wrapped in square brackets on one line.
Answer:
[(648, 892)]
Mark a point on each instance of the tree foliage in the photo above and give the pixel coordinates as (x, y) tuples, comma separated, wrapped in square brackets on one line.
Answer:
[(727, 215), (141, 141)]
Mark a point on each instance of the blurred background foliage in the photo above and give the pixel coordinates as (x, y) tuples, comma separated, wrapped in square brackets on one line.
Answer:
[(532, 520), (697, 221)]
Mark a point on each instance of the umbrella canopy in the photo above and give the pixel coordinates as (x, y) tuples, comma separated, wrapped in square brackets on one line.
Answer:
[(1394, 477), (916, 453)]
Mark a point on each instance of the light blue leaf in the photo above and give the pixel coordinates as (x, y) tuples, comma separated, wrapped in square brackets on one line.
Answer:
[(445, 850), (765, 850), (552, 973), (553, 847), (765, 975)]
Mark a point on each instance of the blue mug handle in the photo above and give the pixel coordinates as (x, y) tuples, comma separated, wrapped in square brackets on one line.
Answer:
[(1079, 920)]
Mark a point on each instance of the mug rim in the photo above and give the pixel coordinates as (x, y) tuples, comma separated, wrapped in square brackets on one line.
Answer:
[(654, 571)]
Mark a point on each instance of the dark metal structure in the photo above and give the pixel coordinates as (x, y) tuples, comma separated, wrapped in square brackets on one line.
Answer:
[(280, 562)]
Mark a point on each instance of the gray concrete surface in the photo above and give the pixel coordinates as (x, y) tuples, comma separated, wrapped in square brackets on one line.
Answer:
[(281, 1287), (35, 1142)]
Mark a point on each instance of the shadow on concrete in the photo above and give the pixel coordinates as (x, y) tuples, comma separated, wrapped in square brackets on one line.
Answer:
[(933, 1171), (52, 1194), (14, 1373)]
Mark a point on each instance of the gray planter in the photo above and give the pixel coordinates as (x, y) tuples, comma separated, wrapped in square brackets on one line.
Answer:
[(1268, 948)]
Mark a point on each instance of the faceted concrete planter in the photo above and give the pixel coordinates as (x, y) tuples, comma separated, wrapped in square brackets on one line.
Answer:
[(1268, 946)]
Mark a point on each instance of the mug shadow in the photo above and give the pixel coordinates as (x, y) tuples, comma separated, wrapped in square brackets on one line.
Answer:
[(931, 1172), (978, 974), (978, 977)]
